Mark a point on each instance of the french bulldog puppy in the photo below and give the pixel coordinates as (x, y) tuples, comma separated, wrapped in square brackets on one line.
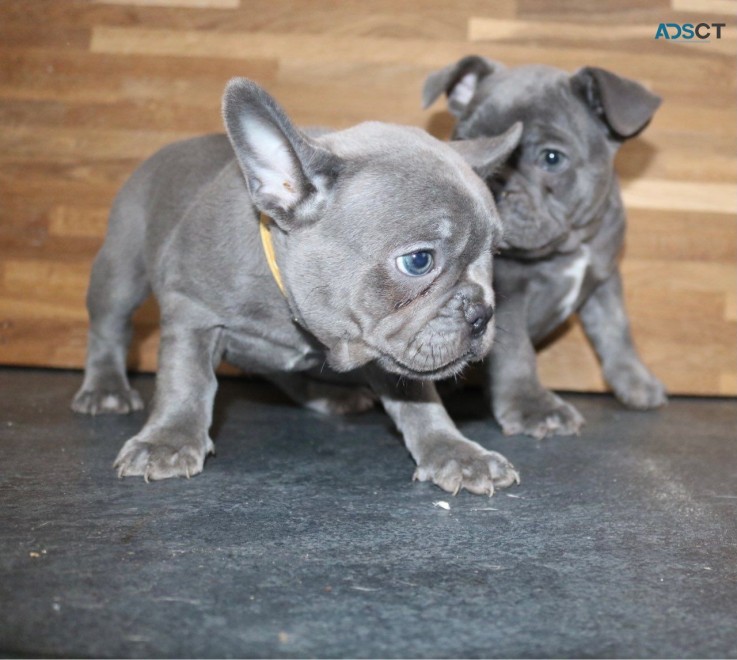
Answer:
[(564, 225), (365, 252)]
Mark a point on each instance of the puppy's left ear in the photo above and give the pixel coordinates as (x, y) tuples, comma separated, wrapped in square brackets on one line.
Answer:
[(624, 105), (288, 174), (487, 154), (459, 81)]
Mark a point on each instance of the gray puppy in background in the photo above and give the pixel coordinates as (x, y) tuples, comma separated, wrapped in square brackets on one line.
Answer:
[(564, 225), (380, 239)]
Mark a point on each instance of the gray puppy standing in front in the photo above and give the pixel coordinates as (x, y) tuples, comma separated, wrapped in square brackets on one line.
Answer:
[(564, 225), (382, 238)]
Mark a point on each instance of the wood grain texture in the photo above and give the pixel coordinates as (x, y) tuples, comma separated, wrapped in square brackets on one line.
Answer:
[(199, 4), (88, 89), (726, 7)]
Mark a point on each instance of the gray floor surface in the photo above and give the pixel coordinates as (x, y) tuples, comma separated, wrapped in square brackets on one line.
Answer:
[(304, 536)]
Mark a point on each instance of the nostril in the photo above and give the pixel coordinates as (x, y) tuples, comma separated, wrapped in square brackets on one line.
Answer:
[(479, 326), (478, 317)]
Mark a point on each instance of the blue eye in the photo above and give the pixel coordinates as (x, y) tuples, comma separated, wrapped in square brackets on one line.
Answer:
[(416, 263), (551, 159)]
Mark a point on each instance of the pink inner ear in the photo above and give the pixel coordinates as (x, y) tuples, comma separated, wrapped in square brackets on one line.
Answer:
[(273, 164), (465, 89)]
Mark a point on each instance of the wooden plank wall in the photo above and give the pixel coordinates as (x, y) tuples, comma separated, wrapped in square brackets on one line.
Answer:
[(90, 88)]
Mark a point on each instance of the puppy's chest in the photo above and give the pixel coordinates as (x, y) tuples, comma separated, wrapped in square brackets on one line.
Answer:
[(559, 288), (573, 275), (283, 349)]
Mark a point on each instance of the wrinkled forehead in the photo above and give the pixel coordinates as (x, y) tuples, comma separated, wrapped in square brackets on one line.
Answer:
[(423, 205), (392, 171), (539, 96), (387, 152), (408, 186), (518, 85)]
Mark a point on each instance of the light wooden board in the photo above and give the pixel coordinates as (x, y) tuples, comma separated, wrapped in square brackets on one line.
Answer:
[(90, 88)]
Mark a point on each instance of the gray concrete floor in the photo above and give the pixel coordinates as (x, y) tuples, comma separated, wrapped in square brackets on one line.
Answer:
[(306, 537)]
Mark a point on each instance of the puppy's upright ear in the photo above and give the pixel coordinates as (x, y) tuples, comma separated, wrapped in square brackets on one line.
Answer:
[(624, 105), (487, 154), (458, 81), (287, 173)]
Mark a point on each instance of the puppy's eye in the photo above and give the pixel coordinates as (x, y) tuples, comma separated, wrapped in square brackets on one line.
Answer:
[(416, 263), (551, 160)]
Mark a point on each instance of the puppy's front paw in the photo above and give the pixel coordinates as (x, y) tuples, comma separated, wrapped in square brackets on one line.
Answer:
[(637, 388), (162, 454), (539, 416), (97, 402), (454, 463)]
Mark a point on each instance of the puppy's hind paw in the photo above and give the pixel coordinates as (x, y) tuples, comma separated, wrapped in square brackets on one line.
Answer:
[(98, 402)]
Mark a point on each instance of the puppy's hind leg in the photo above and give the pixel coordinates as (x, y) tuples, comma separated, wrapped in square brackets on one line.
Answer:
[(324, 397), (175, 439), (118, 285)]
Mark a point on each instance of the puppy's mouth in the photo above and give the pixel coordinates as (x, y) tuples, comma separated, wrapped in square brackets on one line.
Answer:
[(433, 372), (527, 251), (437, 351)]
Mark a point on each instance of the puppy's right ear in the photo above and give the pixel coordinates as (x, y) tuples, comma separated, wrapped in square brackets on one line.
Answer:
[(287, 173), (623, 105), (459, 81), (486, 155)]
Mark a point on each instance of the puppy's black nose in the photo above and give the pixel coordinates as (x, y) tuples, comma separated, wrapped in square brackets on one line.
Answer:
[(478, 317)]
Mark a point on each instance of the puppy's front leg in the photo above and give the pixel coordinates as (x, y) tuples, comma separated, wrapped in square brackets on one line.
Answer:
[(175, 440), (606, 324), (520, 402), (443, 455)]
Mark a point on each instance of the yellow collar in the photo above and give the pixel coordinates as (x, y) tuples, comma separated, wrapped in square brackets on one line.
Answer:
[(268, 244)]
